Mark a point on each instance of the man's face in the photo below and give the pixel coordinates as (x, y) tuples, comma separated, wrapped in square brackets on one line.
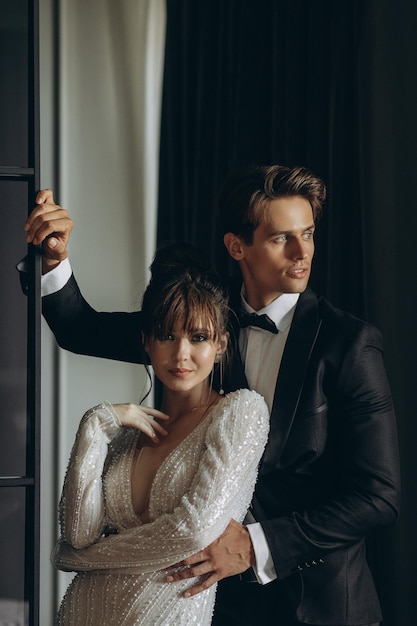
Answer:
[(279, 259)]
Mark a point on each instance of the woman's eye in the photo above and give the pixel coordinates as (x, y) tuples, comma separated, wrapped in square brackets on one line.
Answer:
[(166, 337), (199, 338)]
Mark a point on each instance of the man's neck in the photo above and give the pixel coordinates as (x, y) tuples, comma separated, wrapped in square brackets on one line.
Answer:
[(257, 301)]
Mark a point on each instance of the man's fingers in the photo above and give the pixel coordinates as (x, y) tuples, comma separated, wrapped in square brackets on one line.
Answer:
[(51, 242), (55, 223), (195, 559), (177, 573), (185, 571), (41, 212), (204, 584), (229, 554), (203, 571), (45, 196), (60, 232)]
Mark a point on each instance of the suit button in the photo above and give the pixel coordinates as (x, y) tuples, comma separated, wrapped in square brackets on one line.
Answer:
[(313, 562), (306, 564), (300, 568), (321, 562)]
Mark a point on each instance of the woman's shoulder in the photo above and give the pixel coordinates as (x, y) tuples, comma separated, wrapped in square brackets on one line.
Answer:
[(244, 403), (245, 396), (241, 415)]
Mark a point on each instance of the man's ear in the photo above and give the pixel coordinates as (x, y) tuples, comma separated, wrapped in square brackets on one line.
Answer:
[(234, 246)]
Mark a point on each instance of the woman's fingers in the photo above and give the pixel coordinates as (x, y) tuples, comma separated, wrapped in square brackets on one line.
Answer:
[(143, 418)]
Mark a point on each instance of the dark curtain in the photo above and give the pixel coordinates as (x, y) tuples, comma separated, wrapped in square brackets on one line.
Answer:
[(330, 85), (269, 81)]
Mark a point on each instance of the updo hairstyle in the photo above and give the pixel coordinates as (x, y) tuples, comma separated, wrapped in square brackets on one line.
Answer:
[(184, 286)]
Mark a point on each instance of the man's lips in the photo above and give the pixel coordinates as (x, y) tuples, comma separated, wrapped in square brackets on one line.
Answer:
[(298, 272)]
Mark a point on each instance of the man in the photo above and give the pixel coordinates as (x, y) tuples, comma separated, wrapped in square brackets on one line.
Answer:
[(330, 472)]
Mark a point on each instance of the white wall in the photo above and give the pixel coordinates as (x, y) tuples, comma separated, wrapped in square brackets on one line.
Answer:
[(105, 157)]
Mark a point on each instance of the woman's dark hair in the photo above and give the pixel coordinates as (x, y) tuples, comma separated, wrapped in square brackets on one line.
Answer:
[(247, 194), (183, 286)]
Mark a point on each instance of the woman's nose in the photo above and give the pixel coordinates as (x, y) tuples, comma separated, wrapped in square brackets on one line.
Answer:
[(181, 349)]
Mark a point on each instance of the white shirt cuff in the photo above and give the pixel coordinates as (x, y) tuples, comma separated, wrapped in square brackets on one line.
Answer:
[(264, 570), (57, 278)]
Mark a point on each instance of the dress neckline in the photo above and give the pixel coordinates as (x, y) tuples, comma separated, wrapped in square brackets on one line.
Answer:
[(209, 411)]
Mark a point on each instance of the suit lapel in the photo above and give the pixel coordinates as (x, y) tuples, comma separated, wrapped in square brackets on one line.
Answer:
[(301, 339)]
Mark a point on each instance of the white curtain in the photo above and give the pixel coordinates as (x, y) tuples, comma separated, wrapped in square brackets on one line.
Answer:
[(111, 63), (110, 70)]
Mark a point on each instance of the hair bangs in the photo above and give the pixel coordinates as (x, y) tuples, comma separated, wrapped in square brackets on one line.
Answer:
[(189, 310)]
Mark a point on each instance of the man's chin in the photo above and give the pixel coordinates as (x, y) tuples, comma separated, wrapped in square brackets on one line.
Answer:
[(297, 288)]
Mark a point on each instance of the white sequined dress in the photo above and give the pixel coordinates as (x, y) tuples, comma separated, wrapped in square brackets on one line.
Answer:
[(202, 484)]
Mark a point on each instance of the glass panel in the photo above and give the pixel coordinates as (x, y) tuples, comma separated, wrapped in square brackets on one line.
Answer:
[(13, 610), (14, 113), (13, 332)]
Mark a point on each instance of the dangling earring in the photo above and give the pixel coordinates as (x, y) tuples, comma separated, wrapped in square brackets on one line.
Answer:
[(219, 359)]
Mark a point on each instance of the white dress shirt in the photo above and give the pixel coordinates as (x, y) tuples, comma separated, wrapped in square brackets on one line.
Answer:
[(56, 279), (261, 353), (261, 350)]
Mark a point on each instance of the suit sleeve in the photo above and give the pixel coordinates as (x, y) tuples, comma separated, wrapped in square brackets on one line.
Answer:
[(360, 474), (220, 490), (81, 329)]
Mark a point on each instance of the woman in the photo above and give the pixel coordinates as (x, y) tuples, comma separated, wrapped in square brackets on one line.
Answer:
[(146, 488)]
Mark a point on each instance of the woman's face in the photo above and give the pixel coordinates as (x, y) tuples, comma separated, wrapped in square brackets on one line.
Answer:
[(183, 360)]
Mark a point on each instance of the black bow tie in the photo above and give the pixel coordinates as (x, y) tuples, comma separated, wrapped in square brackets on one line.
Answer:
[(261, 321)]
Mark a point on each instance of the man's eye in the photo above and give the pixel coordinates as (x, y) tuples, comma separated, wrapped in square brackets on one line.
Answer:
[(309, 234)]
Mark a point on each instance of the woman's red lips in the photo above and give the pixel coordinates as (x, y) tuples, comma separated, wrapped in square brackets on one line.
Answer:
[(179, 371)]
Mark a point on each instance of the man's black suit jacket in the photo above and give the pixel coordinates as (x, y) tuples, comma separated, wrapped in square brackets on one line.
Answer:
[(330, 472)]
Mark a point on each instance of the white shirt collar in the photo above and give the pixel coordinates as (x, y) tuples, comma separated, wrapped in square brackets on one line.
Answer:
[(280, 310)]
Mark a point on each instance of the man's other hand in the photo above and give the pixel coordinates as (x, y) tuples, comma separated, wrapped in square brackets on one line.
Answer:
[(49, 225), (230, 554)]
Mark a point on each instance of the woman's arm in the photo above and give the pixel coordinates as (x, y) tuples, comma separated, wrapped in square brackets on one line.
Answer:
[(81, 508), (220, 490)]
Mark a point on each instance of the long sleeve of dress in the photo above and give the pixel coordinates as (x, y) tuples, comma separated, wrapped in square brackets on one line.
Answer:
[(81, 508), (220, 490)]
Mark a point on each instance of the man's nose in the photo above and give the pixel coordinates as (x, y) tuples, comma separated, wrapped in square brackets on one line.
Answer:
[(300, 249)]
